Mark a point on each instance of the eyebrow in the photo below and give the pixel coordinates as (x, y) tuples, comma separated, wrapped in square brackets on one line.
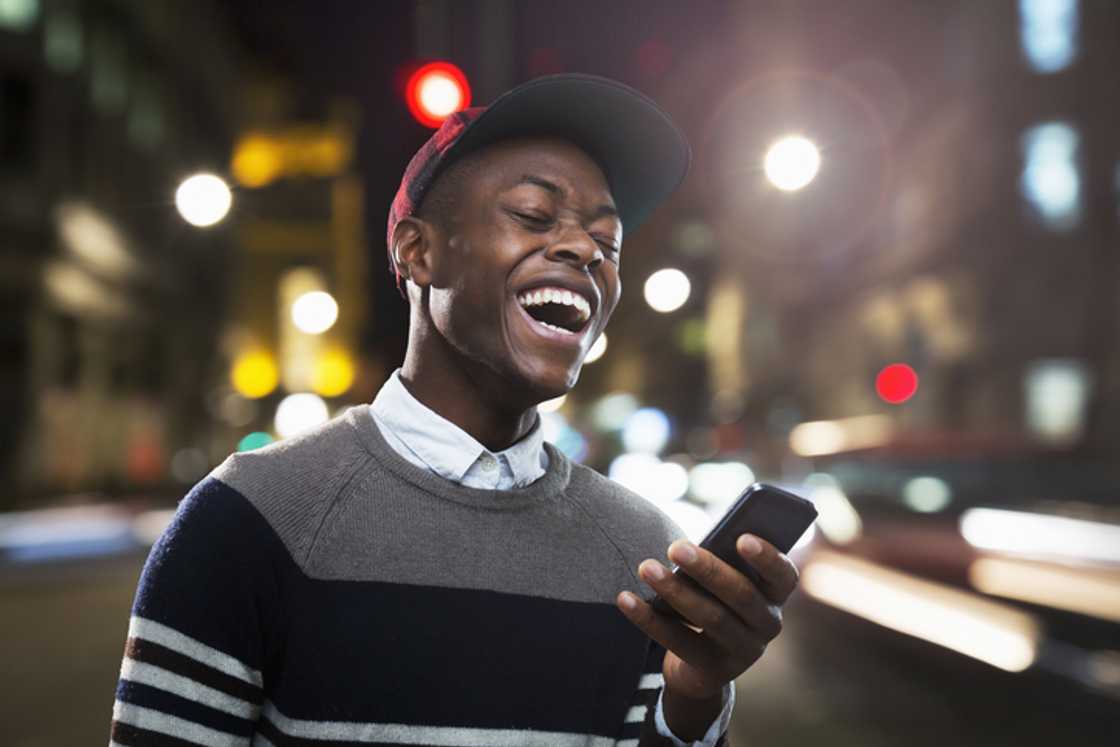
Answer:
[(556, 189)]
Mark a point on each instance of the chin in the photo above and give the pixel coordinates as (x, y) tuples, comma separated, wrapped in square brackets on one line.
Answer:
[(550, 383)]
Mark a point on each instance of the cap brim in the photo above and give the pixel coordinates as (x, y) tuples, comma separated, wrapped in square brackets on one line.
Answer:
[(643, 153)]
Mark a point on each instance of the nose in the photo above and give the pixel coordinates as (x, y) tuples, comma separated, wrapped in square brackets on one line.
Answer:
[(575, 246)]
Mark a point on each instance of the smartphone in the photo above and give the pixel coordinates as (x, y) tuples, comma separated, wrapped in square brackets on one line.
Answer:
[(777, 516)]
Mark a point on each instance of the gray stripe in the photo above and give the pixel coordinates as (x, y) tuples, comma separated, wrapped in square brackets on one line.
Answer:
[(651, 681), (628, 743), (636, 714), (185, 687), (146, 718), (150, 630), (442, 736)]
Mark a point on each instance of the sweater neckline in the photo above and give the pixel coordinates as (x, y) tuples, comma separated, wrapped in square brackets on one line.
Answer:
[(554, 480)]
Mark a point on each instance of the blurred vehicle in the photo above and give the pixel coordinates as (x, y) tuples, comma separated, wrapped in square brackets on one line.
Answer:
[(965, 549)]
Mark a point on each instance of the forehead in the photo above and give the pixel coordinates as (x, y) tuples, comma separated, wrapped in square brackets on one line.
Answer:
[(505, 164)]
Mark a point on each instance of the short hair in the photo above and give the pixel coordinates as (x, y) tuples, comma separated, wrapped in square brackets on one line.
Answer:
[(442, 199)]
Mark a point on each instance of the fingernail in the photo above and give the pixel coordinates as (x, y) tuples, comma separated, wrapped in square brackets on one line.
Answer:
[(749, 546), (655, 570), (684, 553), (628, 602)]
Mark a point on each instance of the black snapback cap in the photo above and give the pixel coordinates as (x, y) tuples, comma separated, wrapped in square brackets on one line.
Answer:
[(642, 152)]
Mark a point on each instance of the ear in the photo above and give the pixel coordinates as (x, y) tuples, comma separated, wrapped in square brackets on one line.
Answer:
[(412, 242)]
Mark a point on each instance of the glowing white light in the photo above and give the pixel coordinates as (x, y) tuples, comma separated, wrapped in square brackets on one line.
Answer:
[(667, 290), (18, 15), (694, 521), (927, 494), (1085, 591), (597, 349), (315, 312), (821, 437), (646, 431), (837, 518), (610, 413), (552, 405), (440, 95), (203, 200), (1057, 394), (967, 623), (149, 525), (1050, 179), (719, 482), (1048, 33), (792, 162), (299, 412), (1040, 535)]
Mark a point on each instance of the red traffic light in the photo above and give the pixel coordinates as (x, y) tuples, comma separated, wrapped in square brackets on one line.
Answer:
[(896, 383), (435, 92)]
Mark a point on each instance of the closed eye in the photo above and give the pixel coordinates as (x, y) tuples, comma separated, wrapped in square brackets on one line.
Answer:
[(536, 222)]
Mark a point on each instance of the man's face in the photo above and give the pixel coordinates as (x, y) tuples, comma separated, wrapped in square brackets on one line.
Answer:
[(525, 274)]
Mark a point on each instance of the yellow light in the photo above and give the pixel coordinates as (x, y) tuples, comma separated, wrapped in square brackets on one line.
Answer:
[(333, 374), (1087, 591), (791, 163), (254, 374), (257, 160), (966, 623)]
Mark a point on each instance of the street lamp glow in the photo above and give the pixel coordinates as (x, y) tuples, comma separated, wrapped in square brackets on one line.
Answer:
[(792, 162), (314, 312), (203, 200), (597, 349), (299, 412), (667, 290)]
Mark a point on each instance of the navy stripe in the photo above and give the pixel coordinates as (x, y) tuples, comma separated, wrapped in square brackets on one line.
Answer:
[(381, 652), (160, 656), (133, 736), (234, 605), (160, 700)]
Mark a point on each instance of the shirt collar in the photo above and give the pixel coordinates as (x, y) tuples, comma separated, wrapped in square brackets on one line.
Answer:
[(444, 447)]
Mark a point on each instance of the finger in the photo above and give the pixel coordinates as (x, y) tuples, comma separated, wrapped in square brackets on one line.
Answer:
[(777, 572), (740, 598), (689, 645)]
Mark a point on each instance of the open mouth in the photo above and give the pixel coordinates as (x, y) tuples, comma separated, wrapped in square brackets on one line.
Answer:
[(557, 309)]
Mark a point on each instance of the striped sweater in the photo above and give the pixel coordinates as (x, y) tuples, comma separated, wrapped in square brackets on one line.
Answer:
[(326, 591)]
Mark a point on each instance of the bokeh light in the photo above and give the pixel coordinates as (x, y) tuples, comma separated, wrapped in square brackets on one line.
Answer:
[(203, 199), (646, 431), (300, 412), (552, 405), (333, 374), (597, 349), (610, 412), (896, 383), (792, 162), (436, 91), (257, 160), (926, 494), (1050, 181), (667, 290), (254, 374), (254, 440), (719, 482), (315, 312)]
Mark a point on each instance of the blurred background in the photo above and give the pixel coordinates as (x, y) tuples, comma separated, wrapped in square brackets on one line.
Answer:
[(890, 283)]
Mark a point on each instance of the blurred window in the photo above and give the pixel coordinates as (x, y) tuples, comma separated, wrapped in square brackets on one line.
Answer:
[(63, 45), (145, 117), (109, 84), (17, 104), (1048, 31), (18, 15), (1050, 182)]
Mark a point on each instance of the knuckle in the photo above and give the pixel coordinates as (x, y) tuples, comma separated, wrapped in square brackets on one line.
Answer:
[(714, 617)]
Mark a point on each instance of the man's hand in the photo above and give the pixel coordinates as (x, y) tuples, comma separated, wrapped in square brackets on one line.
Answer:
[(736, 622)]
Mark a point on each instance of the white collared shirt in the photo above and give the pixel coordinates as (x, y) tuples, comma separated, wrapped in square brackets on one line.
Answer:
[(432, 442)]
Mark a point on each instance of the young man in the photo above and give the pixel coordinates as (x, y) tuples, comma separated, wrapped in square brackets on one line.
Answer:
[(426, 569)]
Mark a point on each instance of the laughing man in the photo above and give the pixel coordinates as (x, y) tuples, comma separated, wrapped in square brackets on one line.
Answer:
[(427, 569)]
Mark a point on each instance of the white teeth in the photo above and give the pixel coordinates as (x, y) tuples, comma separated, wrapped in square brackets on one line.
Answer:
[(557, 295)]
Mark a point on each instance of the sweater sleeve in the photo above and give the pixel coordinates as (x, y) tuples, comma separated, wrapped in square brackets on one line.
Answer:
[(642, 729), (197, 638)]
